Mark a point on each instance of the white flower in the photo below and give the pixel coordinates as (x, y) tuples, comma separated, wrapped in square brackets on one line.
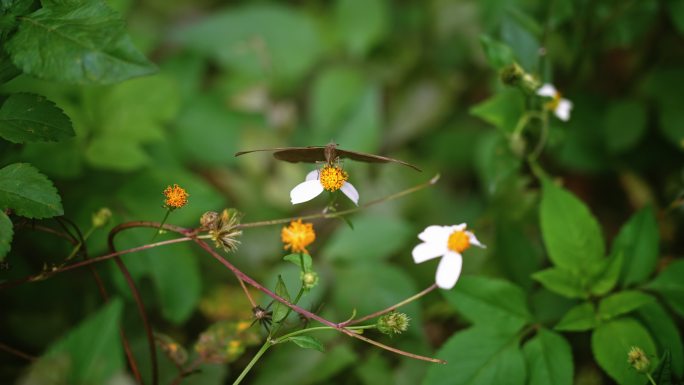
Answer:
[(331, 178), (448, 242), (561, 107)]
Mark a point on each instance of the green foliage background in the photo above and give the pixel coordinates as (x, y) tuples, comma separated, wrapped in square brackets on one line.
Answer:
[(104, 104)]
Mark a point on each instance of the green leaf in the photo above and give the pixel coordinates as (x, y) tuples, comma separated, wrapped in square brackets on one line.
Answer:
[(93, 347), (607, 279), (33, 118), (624, 125), (622, 303), (498, 54), (638, 242), (562, 281), (258, 40), (571, 233), (280, 310), (361, 24), (297, 260), (6, 234), (664, 330), (662, 375), (479, 356), (670, 286), (28, 192), (549, 359), (502, 110), (489, 301), (610, 344), (676, 12), (86, 44), (307, 342), (361, 243), (580, 318), (517, 254)]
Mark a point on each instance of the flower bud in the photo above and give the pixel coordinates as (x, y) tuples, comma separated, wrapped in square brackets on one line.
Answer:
[(309, 279), (638, 359), (208, 220), (513, 75), (101, 217), (393, 323)]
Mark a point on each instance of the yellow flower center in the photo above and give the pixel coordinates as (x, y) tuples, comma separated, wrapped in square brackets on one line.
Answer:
[(552, 104), (176, 197), (332, 177), (297, 236), (458, 241)]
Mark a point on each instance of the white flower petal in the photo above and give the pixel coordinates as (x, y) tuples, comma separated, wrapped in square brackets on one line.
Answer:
[(448, 270), (427, 251), (547, 90), (313, 175), (351, 193), (563, 110), (455, 228), (473, 240), (305, 191), (435, 234)]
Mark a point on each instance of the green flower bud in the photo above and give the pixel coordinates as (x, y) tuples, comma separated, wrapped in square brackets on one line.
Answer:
[(393, 323), (638, 359), (101, 217), (513, 75), (309, 279)]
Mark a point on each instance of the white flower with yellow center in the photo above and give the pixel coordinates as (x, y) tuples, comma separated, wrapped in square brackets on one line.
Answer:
[(448, 242), (331, 178), (561, 107)]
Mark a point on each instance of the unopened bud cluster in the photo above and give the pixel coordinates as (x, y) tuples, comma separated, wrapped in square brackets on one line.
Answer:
[(638, 359), (513, 75), (309, 279), (101, 217), (393, 323), (223, 228)]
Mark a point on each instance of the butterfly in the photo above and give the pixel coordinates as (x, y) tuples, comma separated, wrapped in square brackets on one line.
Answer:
[(329, 154)]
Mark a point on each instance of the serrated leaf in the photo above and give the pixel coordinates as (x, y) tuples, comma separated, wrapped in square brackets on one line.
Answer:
[(498, 54), (670, 285), (638, 241), (93, 347), (489, 301), (479, 356), (665, 333), (280, 310), (33, 118), (6, 234), (562, 281), (622, 303), (571, 234), (307, 342), (84, 44), (297, 260), (28, 192), (549, 359), (580, 318), (610, 344)]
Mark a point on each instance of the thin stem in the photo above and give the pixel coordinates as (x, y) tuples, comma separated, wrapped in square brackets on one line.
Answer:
[(249, 296), (17, 352), (254, 360), (161, 224), (337, 214), (318, 328), (305, 312), (389, 309), (650, 379)]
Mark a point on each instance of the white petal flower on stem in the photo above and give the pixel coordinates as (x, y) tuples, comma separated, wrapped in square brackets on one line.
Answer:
[(331, 178), (561, 107), (447, 242)]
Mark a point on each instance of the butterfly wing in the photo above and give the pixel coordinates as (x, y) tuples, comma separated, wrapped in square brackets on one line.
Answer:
[(370, 158), (311, 154)]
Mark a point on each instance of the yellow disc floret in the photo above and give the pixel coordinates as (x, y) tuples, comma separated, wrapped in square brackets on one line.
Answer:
[(297, 236), (332, 177), (459, 241), (176, 197), (552, 104)]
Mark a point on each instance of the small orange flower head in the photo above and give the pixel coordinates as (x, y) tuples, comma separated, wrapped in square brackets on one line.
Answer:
[(297, 236), (176, 197)]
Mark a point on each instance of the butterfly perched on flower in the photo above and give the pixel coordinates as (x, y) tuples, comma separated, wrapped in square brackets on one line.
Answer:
[(331, 177)]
